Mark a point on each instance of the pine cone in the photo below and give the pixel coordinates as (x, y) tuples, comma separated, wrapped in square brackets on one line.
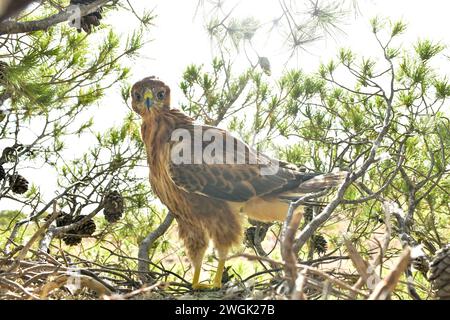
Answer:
[(440, 273), (319, 244), (74, 236), (3, 67), (18, 184), (87, 228), (114, 206), (308, 215), (421, 264), (63, 219), (88, 21), (72, 240), (2, 173)]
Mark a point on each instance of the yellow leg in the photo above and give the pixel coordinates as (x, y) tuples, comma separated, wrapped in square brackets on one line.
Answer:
[(196, 279), (196, 285), (217, 283), (218, 278)]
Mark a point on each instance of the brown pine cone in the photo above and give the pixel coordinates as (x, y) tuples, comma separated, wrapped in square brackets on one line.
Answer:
[(74, 236), (3, 69), (440, 273), (88, 21), (63, 219), (18, 184), (319, 244), (72, 240), (114, 206), (87, 228), (308, 215)]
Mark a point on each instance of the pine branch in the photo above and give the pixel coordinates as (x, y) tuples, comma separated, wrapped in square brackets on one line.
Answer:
[(13, 27)]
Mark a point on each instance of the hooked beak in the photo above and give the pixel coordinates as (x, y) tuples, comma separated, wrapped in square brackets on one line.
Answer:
[(148, 99)]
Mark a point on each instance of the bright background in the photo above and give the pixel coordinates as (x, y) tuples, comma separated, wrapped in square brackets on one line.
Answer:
[(179, 38)]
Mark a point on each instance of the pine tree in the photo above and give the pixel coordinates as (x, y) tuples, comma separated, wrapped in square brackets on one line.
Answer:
[(51, 79)]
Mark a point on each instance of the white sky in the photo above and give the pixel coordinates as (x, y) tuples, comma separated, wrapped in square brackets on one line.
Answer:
[(179, 40)]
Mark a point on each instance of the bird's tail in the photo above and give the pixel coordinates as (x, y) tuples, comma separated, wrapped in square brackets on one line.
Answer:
[(316, 184)]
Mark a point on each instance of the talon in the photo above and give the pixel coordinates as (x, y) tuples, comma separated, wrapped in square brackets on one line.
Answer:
[(201, 286), (204, 287)]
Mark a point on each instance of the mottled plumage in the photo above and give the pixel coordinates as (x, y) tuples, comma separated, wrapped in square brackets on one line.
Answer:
[(209, 195)]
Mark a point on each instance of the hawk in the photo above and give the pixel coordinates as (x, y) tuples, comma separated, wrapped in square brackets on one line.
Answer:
[(210, 180)]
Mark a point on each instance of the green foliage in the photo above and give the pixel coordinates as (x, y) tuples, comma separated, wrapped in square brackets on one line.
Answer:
[(55, 78), (426, 49), (331, 123), (52, 82)]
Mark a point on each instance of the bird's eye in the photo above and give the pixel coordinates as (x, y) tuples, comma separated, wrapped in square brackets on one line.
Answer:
[(138, 96), (161, 95)]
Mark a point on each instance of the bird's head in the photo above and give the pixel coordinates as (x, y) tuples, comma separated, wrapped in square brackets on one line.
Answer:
[(150, 94)]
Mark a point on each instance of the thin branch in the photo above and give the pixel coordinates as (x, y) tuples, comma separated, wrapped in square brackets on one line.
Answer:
[(388, 284)]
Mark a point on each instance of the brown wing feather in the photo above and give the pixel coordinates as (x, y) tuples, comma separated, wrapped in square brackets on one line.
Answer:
[(217, 178)]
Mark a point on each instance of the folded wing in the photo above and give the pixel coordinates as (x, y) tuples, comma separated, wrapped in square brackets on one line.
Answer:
[(223, 167)]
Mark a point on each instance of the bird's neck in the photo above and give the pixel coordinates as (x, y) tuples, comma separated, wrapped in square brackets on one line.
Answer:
[(157, 127)]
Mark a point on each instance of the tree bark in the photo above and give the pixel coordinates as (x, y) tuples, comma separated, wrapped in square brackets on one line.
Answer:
[(146, 244)]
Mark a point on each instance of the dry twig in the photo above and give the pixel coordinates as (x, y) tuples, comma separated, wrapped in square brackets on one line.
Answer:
[(384, 288)]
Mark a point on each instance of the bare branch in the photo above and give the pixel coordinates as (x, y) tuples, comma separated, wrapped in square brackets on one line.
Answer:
[(145, 245), (12, 27), (387, 285)]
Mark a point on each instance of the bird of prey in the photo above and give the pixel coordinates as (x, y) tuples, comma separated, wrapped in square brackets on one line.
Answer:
[(210, 180)]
